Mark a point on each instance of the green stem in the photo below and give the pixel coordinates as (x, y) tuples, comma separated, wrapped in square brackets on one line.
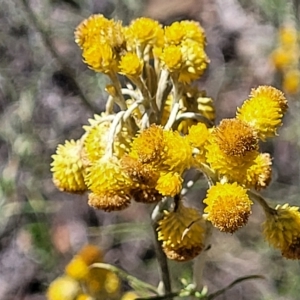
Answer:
[(260, 200)]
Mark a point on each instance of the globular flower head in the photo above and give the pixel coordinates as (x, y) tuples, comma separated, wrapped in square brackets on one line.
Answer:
[(63, 287), (102, 41), (264, 110), (109, 201), (131, 65), (228, 206), (97, 138), (171, 58), (180, 31), (177, 152), (148, 145), (232, 166), (235, 137), (195, 61), (144, 31), (282, 230), (105, 175), (77, 268), (182, 233), (67, 167), (169, 184)]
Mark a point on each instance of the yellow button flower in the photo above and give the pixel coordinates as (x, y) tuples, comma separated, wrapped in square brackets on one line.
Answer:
[(282, 230), (131, 65), (63, 287), (264, 110), (109, 201), (291, 81), (169, 184), (228, 206), (182, 233), (67, 167), (171, 58)]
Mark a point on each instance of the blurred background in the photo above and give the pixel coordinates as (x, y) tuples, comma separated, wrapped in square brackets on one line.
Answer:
[(47, 94)]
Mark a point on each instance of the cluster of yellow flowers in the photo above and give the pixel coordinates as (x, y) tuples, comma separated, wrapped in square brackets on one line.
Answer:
[(81, 282), (164, 127), (286, 58)]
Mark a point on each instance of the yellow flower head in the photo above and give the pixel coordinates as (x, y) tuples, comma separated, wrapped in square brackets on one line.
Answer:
[(142, 174), (106, 176), (259, 174), (195, 61), (235, 137), (169, 184), (198, 135), (101, 58), (283, 58), (171, 58), (109, 201), (181, 233), (291, 81), (67, 167), (177, 153), (282, 230), (228, 206), (131, 65), (264, 110), (91, 30), (288, 36), (144, 31), (96, 140), (148, 145), (233, 167), (180, 31), (63, 288), (77, 268)]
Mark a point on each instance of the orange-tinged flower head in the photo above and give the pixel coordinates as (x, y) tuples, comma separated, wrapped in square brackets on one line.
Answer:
[(106, 176), (233, 167), (182, 233), (169, 184), (140, 173), (109, 201), (235, 137), (282, 230), (68, 169), (148, 145), (228, 206), (63, 287), (144, 31), (259, 174), (90, 254), (131, 65), (264, 110)]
